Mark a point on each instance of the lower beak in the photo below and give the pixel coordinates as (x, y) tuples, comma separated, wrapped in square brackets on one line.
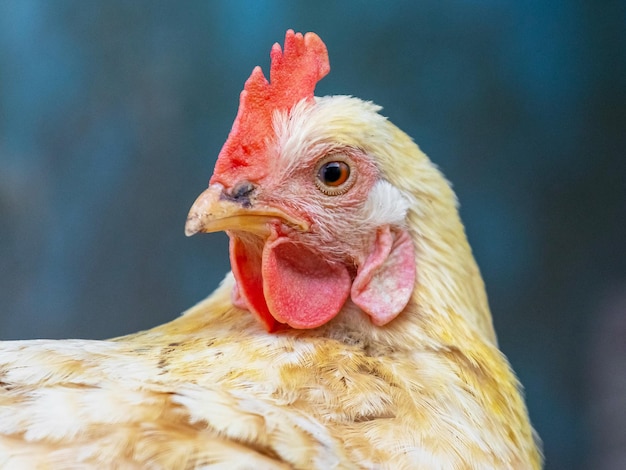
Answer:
[(213, 212)]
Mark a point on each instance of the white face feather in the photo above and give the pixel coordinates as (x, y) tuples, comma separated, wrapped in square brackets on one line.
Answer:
[(385, 205)]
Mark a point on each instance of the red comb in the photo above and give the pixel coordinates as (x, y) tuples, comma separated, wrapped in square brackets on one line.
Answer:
[(294, 73)]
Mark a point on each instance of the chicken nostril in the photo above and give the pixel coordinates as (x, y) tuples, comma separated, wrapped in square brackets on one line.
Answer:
[(240, 193), (242, 189)]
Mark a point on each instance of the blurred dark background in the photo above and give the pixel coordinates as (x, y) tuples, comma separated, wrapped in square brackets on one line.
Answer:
[(112, 114)]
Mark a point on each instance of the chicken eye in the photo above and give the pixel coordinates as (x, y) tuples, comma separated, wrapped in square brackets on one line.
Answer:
[(334, 173), (334, 176)]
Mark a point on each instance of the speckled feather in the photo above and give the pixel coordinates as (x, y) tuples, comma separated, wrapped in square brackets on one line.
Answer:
[(213, 389)]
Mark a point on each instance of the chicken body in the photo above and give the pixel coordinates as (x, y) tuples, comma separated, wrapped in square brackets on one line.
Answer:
[(424, 386)]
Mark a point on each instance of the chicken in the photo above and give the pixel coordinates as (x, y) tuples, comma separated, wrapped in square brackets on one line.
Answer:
[(353, 332)]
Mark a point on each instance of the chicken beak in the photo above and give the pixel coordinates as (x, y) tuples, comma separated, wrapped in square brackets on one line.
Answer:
[(213, 211)]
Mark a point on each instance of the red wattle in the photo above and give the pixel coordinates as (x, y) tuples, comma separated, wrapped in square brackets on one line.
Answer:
[(301, 289), (245, 260)]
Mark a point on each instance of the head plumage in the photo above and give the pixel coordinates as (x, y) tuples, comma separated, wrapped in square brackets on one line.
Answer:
[(294, 72)]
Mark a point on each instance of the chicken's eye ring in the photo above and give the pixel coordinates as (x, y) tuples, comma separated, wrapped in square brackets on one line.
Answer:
[(334, 175)]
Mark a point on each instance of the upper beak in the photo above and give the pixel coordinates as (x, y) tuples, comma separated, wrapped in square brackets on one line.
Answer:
[(214, 212)]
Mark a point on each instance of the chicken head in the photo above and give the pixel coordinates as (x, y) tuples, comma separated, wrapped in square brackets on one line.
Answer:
[(312, 223)]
